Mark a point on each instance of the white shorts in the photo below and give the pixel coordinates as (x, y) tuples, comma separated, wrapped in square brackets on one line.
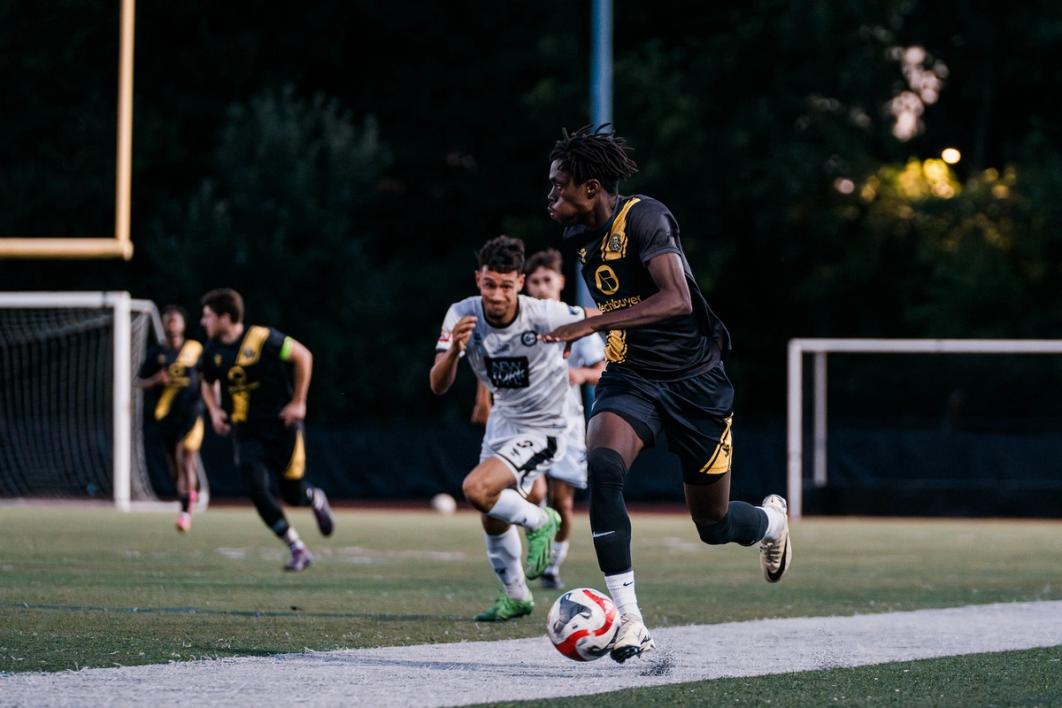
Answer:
[(525, 451), (571, 468)]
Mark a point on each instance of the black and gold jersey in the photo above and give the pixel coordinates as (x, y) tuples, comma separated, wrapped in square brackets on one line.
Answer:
[(615, 261), (256, 377), (180, 398)]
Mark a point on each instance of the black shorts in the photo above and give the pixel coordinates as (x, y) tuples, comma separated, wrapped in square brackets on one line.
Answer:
[(694, 413), (281, 449), (181, 430)]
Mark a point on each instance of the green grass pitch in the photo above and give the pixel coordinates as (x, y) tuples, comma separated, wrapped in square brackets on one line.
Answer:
[(92, 587)]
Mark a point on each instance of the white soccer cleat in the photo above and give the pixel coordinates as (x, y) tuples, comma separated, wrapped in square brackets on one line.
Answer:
[(776, 555), (632, 638)]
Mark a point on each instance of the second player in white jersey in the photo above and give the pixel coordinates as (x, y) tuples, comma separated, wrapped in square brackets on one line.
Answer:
[(586, 353), (499, 335), (545, 280)]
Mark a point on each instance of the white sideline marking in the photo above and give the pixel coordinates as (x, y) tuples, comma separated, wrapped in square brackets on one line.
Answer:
[(520, 669)]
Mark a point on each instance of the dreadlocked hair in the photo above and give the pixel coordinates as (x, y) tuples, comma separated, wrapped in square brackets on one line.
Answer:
[(591, 153), (502, 254)]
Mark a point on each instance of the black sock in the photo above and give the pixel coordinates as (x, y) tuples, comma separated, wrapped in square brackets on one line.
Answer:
[(609, 521), (743, 523), (748, 523), (184, 502)]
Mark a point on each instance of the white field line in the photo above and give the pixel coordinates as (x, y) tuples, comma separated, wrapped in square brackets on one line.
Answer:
[(479, 672)]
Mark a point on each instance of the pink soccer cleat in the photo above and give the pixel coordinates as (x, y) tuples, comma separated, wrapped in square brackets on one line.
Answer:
[(184, 522)]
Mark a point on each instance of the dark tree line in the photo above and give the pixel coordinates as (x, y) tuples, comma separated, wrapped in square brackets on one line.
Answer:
[(340, 163)]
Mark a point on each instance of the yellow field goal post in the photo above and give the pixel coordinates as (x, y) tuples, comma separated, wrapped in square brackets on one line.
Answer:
[(120, 245)]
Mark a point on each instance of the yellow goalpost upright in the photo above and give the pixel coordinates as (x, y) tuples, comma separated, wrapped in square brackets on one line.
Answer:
[(120, 245)]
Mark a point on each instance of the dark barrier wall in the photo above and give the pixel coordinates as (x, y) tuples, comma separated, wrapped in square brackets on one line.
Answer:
[(873, 471)]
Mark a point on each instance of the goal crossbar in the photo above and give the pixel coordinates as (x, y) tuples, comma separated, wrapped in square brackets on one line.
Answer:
[(819, 348)]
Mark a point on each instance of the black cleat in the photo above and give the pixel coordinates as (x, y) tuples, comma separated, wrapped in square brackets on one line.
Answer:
[(322, 512), (552, 581)]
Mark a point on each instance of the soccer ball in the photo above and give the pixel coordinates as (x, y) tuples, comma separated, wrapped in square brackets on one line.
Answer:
[(444, 504), (582, 624)]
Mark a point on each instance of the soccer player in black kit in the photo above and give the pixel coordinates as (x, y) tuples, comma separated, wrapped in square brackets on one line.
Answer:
[(264, 377), (169, 373), (664, 373)]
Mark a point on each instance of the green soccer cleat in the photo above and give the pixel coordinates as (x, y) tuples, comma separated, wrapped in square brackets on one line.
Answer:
[(505, 608), (540, 544)]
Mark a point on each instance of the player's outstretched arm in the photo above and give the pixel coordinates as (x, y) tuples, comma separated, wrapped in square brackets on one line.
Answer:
[(671, 299), (444, 370), (302, 359)]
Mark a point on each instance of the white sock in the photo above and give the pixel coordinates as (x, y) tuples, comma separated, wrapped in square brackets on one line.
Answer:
[(557, 556), (775, 523), (621, 588), (291, 537), (503, 552), (514, 509)]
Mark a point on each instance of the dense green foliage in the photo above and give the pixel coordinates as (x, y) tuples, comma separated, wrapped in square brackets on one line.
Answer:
[(339, 163)]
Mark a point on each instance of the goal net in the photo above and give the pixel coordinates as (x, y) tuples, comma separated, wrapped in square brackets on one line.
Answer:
[(924, 427), (70, 417)]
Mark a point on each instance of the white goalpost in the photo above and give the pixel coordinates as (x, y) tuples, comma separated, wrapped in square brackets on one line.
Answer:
[(819, 349), (70, 417)]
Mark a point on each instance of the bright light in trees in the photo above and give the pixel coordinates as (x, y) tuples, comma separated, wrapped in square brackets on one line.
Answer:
[(951, 156)]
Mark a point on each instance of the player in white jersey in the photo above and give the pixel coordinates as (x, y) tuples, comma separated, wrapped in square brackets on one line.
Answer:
[(498, 332), (545, 280)]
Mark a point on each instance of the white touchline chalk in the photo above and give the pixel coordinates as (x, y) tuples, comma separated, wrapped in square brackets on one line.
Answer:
[(521, 669)]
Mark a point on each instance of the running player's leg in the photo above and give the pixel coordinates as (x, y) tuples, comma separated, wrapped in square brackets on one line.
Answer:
[(492, 488), (567, 475), (186, 475), (614, 445), (503, 552), (561, 498), (256, 479), (185, 467), (539, 491), (294, 488), (707, 487), (720, 520), (699, 428)]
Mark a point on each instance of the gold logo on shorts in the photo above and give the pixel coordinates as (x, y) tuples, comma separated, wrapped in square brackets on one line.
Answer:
[(719, 462)]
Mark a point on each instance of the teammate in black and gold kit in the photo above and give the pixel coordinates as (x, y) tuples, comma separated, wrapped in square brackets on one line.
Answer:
[(264, 378), (664, 373), (169, 375)]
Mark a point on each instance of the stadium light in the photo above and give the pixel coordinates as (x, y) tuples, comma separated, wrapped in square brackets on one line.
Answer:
[(950, 156)]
